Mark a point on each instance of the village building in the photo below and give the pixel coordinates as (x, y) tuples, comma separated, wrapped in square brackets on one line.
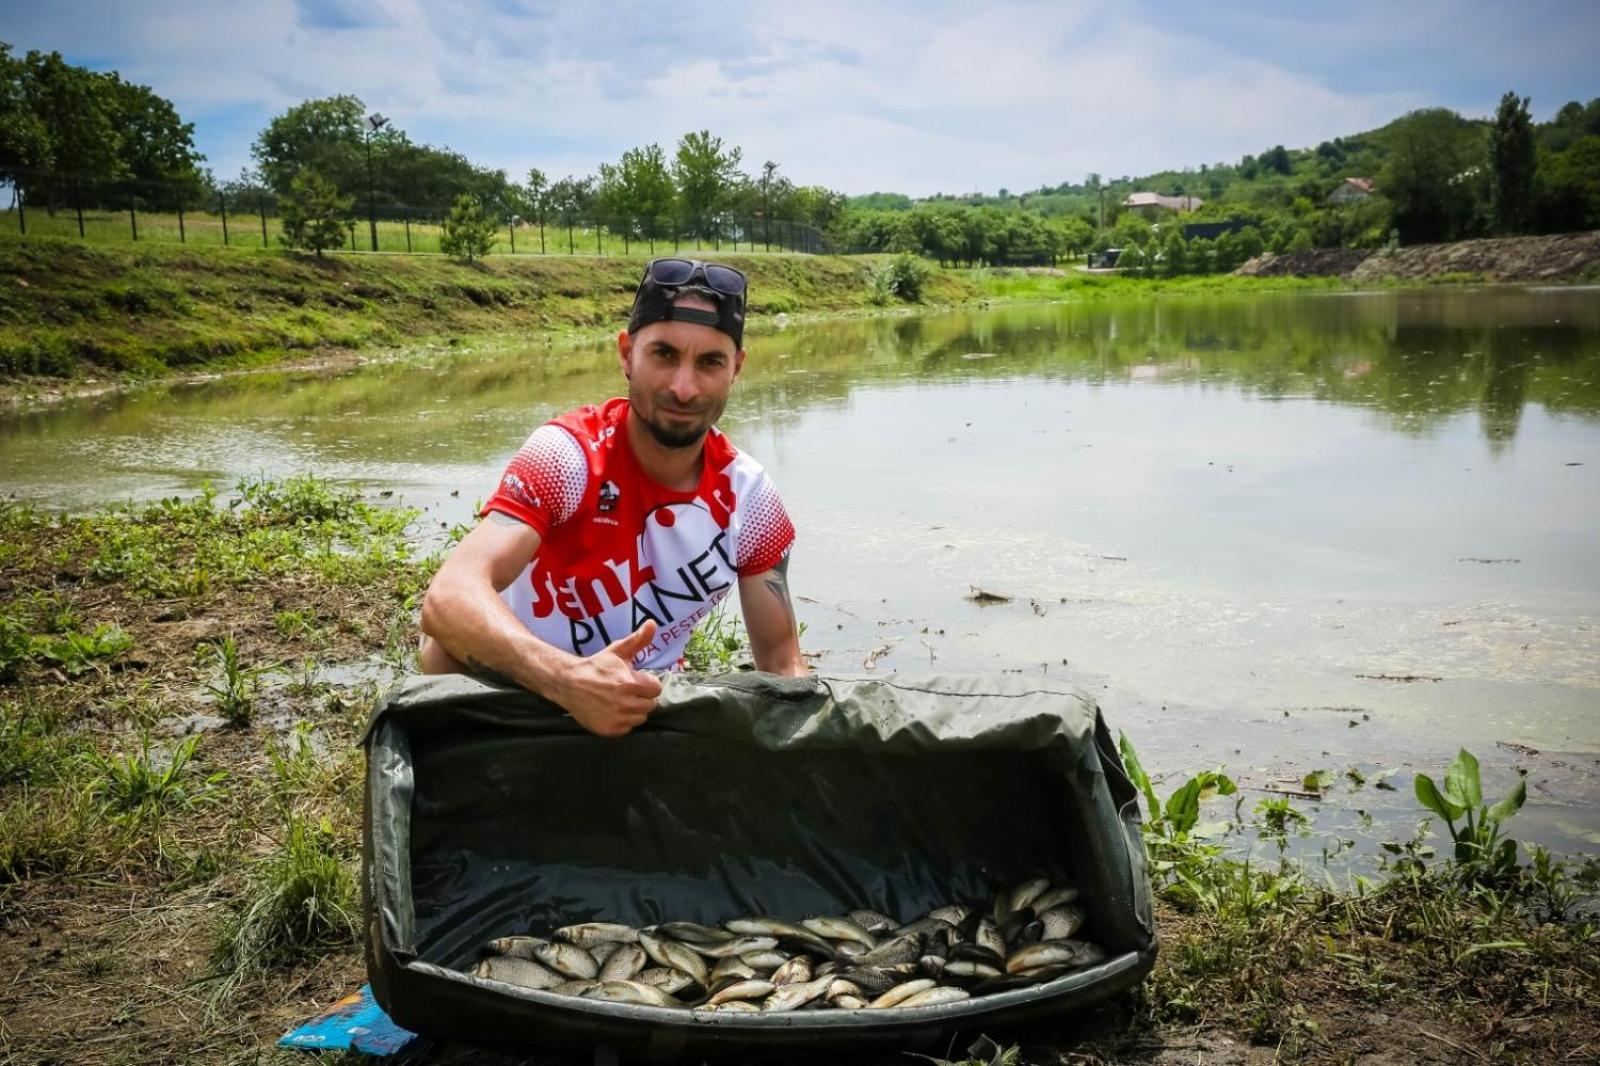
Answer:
[(1351, 191)]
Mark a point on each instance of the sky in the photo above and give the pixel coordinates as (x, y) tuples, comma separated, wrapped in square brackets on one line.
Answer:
[(912, 96)]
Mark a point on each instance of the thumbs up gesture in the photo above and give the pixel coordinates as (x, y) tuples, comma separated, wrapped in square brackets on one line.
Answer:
[(605, 693)]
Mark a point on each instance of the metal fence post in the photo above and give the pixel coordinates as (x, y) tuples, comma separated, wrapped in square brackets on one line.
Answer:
[(222, 205), (133, 217), (261, 202), (408, 230), (182, 237), (77, 198), (511, 227), (570, 249), (22, 214), (599, 249), (352, 235)]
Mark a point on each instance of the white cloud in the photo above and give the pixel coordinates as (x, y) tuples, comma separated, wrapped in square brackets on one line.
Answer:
[(907, 96)]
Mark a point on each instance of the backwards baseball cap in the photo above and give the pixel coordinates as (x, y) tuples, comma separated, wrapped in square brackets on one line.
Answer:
[(667, 279)]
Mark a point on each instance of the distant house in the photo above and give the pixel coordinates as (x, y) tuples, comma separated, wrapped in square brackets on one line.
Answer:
[(1149, 204), (1351, 191)]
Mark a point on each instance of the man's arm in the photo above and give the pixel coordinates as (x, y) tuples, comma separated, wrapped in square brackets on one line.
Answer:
[(463, 612), (769, 620)]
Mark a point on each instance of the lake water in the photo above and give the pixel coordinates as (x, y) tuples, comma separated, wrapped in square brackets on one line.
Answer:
[(1278, 532)]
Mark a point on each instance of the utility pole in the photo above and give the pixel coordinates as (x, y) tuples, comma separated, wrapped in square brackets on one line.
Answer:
[(375, 122)]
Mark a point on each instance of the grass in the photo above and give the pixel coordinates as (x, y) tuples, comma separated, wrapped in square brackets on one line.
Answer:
[(204, 886)]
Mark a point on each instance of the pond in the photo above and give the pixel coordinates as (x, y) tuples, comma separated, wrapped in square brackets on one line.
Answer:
[(1283, 532)]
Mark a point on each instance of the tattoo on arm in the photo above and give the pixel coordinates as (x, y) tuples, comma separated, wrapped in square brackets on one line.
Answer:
[(488, 673), (777, 582)]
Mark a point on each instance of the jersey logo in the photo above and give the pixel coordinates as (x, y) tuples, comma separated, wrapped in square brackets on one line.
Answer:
[(609, 495)]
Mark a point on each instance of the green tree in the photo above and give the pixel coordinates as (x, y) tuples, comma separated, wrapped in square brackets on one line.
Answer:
[(1174, 254), (705, 173), (324, 135), (1431, 174), (468, 232), (1511, 150), (314, 215), (636, 195), (24, 139), (571, 199)]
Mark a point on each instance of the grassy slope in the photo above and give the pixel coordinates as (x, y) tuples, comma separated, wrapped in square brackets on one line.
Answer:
[(67, 307)]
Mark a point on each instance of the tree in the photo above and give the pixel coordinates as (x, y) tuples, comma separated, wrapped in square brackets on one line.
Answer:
[(1511, 150), (324, 135), (570, 198), (537, 192), (1276, 158), (468, 232), (1430, 178), (705, 174), (637, 194), (313, 213)]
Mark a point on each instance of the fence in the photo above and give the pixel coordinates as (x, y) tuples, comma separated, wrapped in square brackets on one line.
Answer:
[(97, 212)]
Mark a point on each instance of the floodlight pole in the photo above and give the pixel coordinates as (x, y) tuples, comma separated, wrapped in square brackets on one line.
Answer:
[(375, 122)]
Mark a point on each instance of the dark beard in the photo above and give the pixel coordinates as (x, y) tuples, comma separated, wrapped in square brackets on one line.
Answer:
[(669, 439)]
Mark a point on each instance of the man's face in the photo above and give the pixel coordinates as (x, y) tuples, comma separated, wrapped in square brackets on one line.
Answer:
[(679, 376)]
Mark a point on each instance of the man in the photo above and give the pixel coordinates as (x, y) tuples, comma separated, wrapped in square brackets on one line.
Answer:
[(615, 529)]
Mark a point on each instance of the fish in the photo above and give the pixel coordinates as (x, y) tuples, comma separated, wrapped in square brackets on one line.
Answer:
[(588, 934), (732, 967), (901, 992), (988, 936), (970, 969), (743, 945), (669, 979), (871, 979), (849, 949), (693, 933), (791, 936), (932, 965), (955, 914), (977, 953), (624, 964), (903, 948), (795, 970), (515, 970), (937, 995), (1061, 922), (1055, 898), (873, 922), (848, 1002), (517, 946), (1024, 894), (603, 951), (1004, 983), (794, 996), (569, 959), (840, 929), (671, 953), (770, 959), (1046, 953), (733, 1006), (932, 930), (574, 988), (842, 987), (742, 990), (635, 992)]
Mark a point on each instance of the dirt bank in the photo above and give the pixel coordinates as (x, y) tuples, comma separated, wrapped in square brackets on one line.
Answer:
[(1565, 257)]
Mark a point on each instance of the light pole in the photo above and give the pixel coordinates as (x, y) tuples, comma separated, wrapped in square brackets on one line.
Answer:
[(375, 122)]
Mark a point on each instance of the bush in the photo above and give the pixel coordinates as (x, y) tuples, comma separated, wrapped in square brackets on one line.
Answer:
[(468, 233), (903, 277)]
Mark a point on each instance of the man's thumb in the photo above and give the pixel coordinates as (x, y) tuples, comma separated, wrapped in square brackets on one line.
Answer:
[(632, 644)]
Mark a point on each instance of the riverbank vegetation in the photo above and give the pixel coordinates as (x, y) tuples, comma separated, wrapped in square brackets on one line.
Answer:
[(182, 688)]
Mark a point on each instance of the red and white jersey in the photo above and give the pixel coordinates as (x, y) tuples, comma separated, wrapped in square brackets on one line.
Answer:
[(617, 549)]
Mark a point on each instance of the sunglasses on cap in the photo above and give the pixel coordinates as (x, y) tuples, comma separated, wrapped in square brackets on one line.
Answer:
[(675, 273)]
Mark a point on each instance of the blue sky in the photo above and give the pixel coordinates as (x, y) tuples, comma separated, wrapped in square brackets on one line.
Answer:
[(910, 96)]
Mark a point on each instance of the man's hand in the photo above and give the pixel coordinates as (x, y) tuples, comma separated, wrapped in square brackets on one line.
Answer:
[(606, 695)]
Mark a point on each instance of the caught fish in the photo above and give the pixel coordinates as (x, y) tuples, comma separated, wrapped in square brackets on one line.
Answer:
[(933, 997), (971, 970), (976, 953), (731, 967), (733, 1006), (848, 1002), (796, 995), (743, 945), (1024, 894), (603, 952), (873, 922), (515, 970), (789, 935), (932, 965), (742, 990), (795, 970), (667, 952), (842, 987), (1061, 922), (1047, 953), (901, 992), (574, 988), (954, 914), (764, 960), (588, 934), (569, 959), (840, 929), (872, 980), (624, 963), (1055, 898), (520, 947), (692, 933), (634, 992), (901, 949), (988, 936), (669, 979)]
